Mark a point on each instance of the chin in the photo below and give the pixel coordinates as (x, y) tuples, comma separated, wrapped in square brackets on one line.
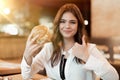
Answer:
[(67, 36)]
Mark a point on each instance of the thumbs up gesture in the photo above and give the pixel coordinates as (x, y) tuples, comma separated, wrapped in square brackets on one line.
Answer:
[(81, 51)]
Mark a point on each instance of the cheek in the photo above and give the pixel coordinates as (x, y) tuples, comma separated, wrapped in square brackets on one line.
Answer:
[(60, 28), (75, 30)]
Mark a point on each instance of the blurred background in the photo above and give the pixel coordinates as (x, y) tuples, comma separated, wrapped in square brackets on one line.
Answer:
[(18, 17)]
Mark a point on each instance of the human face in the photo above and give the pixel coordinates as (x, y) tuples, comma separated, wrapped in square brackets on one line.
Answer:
[(68, 25)]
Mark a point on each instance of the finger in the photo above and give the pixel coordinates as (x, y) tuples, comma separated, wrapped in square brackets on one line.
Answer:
[(33, 40), (36, 49), (1, 78), (35, 46), (10, 78), (83, 40), (30, 36)]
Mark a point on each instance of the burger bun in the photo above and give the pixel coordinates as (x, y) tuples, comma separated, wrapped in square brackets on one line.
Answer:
[(43, 32)]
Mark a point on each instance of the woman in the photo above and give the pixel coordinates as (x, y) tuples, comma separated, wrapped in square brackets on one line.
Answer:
[(68, 56)]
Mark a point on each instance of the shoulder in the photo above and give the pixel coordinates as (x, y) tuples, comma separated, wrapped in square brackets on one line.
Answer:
[(91, 46), (94, 51), (48, 45), (46, 51), (48, 48)]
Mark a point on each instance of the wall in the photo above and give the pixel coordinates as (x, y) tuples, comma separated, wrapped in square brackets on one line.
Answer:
[(12, 47), (105, 18)]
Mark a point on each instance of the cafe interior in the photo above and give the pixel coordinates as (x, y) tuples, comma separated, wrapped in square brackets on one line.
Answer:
[(18, 18)]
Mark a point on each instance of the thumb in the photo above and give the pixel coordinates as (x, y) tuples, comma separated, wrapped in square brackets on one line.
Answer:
[(83, 40)]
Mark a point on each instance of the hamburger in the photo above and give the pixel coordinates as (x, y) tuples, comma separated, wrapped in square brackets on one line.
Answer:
[(44, 34)]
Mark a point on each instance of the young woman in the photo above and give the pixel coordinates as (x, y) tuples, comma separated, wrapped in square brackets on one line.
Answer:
[(68, 56)]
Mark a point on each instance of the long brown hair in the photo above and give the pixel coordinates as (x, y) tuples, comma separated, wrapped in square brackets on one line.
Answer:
[(57, 39)]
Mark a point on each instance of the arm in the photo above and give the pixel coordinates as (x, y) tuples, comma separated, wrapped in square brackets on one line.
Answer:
[(37, 64), (100, 65), (28, 65), (27, 71)]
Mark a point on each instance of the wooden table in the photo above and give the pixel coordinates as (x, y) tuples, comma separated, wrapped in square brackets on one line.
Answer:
[(19, 77), (8, 68)]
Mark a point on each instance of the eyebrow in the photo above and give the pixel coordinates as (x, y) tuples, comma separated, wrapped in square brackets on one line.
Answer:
[(73, 20), (69, 20)]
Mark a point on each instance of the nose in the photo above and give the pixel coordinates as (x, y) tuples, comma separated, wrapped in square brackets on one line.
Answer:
[(67, 25)]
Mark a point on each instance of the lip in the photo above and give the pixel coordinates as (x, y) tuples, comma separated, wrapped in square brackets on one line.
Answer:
[(67, 31)]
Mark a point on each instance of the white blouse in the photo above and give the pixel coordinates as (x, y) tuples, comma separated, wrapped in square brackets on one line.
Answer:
[(95, 65)]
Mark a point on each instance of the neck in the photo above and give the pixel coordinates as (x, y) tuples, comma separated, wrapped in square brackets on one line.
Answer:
[(68, 44)]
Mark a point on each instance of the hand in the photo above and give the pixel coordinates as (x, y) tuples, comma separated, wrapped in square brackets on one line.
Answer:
[(81, 51), (1, 78), (5, 78), (32, 48)]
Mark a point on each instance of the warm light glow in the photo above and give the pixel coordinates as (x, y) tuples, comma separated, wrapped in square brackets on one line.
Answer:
[(1, 3), (86, 22), (6, 11), (10, 29), (46, 21)]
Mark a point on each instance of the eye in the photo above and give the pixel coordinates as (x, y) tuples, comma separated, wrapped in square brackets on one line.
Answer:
[(62, 21), (73, 22)]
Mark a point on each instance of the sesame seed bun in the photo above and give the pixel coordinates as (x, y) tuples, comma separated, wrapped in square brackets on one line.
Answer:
[(44, 34)]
